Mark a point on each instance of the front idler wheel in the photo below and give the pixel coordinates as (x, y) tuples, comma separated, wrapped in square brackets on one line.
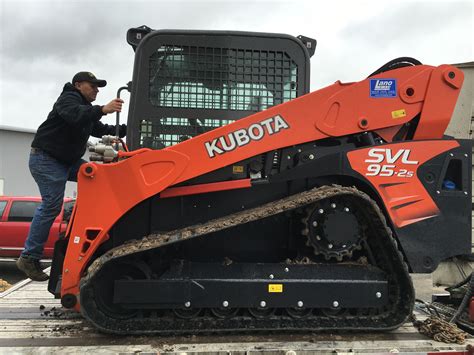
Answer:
[(104, 287)]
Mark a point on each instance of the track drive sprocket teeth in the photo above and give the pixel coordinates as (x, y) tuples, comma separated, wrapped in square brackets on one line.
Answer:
[(320, 227)]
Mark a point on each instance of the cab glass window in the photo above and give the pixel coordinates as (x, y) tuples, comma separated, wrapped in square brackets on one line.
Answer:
[(209, 79), (3, 204), (22, 211), (68, 207), (221, 78)]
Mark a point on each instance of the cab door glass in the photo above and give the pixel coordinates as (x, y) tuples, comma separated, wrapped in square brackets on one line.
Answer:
[(209, 87), (68, 207), (22, 211), (3, 204)]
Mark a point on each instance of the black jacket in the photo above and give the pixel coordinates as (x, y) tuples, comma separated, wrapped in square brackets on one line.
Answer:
[(69, 125)]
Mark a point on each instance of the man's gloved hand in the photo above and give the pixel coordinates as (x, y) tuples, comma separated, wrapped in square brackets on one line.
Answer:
[(122, 130)]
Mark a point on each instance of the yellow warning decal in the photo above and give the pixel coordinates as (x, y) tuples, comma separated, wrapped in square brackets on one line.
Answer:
[(399, 113), (237, 169), (275, 288)]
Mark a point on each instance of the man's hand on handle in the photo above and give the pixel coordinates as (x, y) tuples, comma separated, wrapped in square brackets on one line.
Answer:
[(113, 106)]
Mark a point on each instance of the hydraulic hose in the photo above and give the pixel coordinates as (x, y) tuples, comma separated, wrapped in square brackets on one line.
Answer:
[(459, 284), (465, 299), (396, 63)]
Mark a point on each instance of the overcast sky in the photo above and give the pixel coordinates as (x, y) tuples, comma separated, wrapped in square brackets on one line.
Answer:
[(44, 43)]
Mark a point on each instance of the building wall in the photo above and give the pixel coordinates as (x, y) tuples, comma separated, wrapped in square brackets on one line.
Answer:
[(469, 112), (460, 124), (15, 177)]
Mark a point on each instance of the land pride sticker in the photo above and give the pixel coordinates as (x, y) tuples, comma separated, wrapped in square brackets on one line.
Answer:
[(244, 136), (383, 88)]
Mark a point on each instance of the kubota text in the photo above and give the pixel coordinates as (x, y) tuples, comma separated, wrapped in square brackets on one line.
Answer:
[(244, 136)]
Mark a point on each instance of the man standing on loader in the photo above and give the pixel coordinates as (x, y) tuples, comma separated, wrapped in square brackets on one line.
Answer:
[(56, 155)]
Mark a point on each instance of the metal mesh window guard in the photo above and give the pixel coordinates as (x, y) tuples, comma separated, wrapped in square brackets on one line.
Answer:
[(158, 134), (208, 78)]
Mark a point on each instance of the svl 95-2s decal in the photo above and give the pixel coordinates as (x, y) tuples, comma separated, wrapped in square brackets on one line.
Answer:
[(384, 162), (392, 170)]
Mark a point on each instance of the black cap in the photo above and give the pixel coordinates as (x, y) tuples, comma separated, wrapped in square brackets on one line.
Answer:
[(88, 76)]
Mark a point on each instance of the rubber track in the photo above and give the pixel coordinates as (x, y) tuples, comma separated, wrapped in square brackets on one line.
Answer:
[(383, 247)]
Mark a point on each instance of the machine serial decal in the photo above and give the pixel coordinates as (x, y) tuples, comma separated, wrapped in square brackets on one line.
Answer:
[(275, 288), (399, 114), (244, 136), (386, 155), (383, 88)]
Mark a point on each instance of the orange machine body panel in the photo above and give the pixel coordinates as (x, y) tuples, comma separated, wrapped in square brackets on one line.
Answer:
[(392, 171), (107, 191)]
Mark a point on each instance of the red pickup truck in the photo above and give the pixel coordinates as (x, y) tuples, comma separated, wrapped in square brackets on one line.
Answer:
[(16, 214)]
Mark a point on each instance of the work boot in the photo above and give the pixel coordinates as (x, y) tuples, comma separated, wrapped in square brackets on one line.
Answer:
[(32, 268)]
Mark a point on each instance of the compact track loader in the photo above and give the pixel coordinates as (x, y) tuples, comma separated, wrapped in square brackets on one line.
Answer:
[(246, 203)]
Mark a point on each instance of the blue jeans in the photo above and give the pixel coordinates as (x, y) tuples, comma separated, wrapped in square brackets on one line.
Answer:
[(51, 177)]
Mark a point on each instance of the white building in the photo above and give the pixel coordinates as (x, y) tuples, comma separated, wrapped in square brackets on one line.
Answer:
[(15, 177)]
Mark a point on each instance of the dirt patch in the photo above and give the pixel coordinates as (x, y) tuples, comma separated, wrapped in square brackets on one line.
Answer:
[(53, 312), (58, 312)]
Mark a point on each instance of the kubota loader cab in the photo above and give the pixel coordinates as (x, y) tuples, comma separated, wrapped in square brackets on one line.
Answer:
[(247, 203), (189, 82)]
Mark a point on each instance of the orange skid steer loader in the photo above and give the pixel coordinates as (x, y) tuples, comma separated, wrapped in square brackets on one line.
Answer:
[(247, 203)]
